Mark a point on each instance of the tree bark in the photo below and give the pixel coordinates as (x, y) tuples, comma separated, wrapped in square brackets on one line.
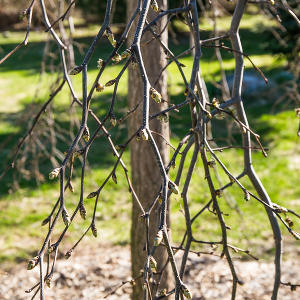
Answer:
[(146, 177)]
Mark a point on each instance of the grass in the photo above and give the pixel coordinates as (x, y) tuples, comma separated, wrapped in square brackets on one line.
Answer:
[(22, 211)]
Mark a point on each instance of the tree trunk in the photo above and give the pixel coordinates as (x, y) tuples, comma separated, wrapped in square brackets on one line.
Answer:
[(145, 172)]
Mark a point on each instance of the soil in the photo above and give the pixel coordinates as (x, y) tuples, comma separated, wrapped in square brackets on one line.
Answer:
[(93, 272)]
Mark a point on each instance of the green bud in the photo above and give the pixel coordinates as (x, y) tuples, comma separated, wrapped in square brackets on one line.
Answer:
[(68, 254), (215, 102), (154, 6), (54, 173), (153, 263), (99, 63), (186, 292), (48, 281), (163, 118), (82, 211), (158, 238), (51, 249), (114, 178), (173, 187), (66, 217), (111, 37), (211, 163), (144, 135), (99, 87), (76, 70), (45, 221), (32, 263), (155, 95), (247, 196), (116, 58), (162, 292), (113, 121), (86, 134), (92, 195), (110, 83), (125, 54), (219, 193), (94, 230), (70, 186)]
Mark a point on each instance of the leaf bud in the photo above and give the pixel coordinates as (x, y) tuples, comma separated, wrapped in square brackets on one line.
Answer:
[(82, 211), (215, 102), (51, 249), (132, 282), (173, 187), (211, 163), (162, 293), (78, 153), (48, 281), (45, 221), (114, 178), (76, 70), (209, 115), (99, 63), (86, 134), (247, 196), (99, 87), (279, 208), (32, 263), (219, 193), (163, 118), (153, 263), (154, 6), (113, 120), (116, 58), (186, 292), (289, 221), (70, 186), (144, 135), (94, 230), (244, 131), (160, 199), (158, 238), (68, 254), (111, 37), (66, 217), (92, 195), (54, 173), (125, 53), (111, 82), (155, 95)]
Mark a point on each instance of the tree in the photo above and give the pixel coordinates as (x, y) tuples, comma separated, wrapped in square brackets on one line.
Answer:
[(144, 178), (195, 140)]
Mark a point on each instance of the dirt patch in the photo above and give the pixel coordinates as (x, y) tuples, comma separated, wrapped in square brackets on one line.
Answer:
[(93, 272)]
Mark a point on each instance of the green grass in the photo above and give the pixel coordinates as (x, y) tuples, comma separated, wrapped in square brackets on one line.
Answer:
[(22, 211)]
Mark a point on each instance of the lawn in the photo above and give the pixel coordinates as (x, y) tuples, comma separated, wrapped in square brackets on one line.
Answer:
[(22, 209)]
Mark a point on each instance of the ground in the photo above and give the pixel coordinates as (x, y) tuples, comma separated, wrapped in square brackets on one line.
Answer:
[(95, 271)]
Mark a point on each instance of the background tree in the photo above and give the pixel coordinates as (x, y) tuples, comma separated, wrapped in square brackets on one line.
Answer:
[(142, 157)]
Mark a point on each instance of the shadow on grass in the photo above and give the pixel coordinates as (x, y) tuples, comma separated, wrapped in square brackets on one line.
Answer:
[(100, 152), (30, 57)]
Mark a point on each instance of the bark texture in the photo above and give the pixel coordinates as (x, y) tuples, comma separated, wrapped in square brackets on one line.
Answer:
[(145, 172)]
